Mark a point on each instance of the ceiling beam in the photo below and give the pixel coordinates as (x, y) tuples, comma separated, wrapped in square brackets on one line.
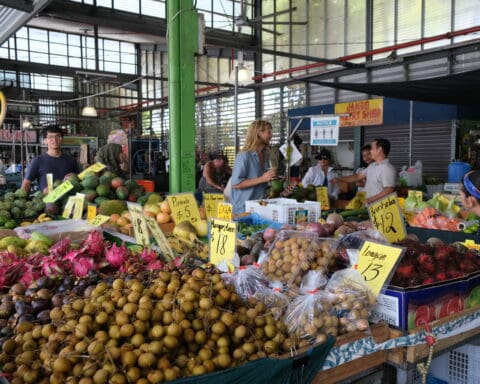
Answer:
[(21, 5), (342, 63), (134, 23)]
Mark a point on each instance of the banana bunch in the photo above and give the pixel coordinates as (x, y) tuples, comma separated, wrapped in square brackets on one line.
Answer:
[(42, 218), (186, 233)]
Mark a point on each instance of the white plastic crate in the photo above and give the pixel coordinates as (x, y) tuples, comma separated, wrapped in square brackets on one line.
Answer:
[(458, 366), (283, 210)]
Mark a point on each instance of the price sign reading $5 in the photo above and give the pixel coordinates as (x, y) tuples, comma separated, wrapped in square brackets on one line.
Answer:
[(222, 240), (184, 207), (386, 217)]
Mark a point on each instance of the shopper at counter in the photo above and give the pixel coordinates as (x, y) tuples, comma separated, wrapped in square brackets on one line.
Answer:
[(53, 161), (250, 175), (321, 174), (470, 192), (216, 173), (112, 155), (366, 161), (379, 176)]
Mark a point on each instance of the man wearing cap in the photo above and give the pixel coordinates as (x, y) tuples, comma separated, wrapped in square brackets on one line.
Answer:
[(380, 175), (321, 174)]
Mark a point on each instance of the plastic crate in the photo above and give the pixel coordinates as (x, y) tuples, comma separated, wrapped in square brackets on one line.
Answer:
[(149, 185), (256, 219), (283, 210), (459, 366)]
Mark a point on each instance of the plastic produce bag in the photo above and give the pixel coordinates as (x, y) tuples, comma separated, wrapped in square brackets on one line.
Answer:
[(311, 316), (247, 280), (352, 300), (273, 298)]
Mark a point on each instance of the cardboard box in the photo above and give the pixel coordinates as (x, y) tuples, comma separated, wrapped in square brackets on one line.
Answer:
[(284, 210), (407, 308)]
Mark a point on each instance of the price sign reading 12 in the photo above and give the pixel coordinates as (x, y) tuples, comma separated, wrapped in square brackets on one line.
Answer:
[(184, 207), (376, 262), (222, 240), (386, 217)]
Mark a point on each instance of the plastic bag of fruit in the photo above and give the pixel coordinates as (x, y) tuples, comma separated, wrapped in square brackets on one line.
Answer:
[(274, 298), (248, 279), (311, 316), (330, 255), (352, 300), (290, 256)]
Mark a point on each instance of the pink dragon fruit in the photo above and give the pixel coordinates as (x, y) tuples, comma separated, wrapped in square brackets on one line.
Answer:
[(73, 255), (7, 258), (148, 255), (60, 248), (116, 256), (29, 274), (51, 268), (94, 244), (154, 265), (82, 265)]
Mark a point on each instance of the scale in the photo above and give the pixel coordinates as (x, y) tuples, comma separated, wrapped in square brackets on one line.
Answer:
[(453, 188)]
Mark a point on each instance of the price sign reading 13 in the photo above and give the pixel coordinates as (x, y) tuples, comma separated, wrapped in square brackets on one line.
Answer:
[(386, 217), (222, 240)]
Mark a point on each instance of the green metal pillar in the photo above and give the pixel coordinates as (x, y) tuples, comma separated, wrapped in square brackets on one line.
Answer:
[(182, 27)]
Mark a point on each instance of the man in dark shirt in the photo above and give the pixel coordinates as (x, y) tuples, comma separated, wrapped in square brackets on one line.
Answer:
[(53, 161)]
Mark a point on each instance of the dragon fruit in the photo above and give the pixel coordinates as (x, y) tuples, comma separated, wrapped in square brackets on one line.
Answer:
[(94, 244), (60, 248), (51, 268), (116, 256), (148, 255), (29, 274), (154, 265), (82, 265), (73, 255)]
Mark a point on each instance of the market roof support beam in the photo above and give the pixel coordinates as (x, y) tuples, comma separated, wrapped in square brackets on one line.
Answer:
[(182, 21), (21, 5)]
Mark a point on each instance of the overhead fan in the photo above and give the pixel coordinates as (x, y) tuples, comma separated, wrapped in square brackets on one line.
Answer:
[(243, 21)]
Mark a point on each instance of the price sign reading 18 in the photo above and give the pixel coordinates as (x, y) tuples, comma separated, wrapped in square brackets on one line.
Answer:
[(376, 262), (184, 207), (386, 217), (222, 240)]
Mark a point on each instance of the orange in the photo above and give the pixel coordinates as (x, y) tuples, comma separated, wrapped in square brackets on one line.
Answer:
[(163, 218)]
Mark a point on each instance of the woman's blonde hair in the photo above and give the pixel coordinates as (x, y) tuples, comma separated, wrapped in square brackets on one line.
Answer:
[(254, 129)]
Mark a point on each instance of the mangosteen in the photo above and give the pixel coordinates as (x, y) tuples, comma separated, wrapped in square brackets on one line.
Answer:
[(40, 305), (22, 307), (78, 290), (63, 288), (43, 317), (6, 331), (25, 318), (30, 291), (44, 282), (57, 300), (68, 282)]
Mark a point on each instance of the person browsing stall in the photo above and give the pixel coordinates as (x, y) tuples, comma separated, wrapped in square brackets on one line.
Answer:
[(379, 176), (216, 173), (366, 161), (321, 174), (470, 192), (53, 161), (250, 175)]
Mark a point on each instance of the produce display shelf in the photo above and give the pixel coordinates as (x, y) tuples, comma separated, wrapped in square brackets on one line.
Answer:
[(402, 357), (380, 333)]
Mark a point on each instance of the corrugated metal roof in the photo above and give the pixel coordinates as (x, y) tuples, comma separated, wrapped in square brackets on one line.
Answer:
[(12, 19)]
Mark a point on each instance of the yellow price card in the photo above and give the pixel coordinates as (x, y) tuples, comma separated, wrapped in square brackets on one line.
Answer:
[(99, 220), (140, 228), (322, 197), (211, 201), (387, 218), (184, 207), (376, 262), (58, 192), (49, 177), (78, 208), (417, 194), (225, 211), (160, 238), (91, 211), (222, 240), (97, 167), (67, 211)]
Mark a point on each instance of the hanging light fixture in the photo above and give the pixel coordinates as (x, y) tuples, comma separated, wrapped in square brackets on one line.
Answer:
[(240, 74), (89, 109)]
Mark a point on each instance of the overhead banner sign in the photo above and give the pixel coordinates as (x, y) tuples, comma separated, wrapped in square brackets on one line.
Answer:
[(359, 113), (324, 130)]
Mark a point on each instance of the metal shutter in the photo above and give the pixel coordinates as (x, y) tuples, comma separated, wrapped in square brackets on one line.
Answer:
[(431, 144)]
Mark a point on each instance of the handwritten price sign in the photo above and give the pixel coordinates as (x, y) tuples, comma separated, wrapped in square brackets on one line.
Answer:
[(184, 207), (376, 262), (222, 240), (58, 192), (225, 211), (139, 225), (322, 197), (211, 201), (99, 220), (97, 167), (386, 217), (160, 238)]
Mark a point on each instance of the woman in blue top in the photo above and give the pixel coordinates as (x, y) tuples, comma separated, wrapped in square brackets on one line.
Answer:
[(250, 175)]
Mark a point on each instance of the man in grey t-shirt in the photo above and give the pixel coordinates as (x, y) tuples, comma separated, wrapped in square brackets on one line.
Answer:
[(379, 176)]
